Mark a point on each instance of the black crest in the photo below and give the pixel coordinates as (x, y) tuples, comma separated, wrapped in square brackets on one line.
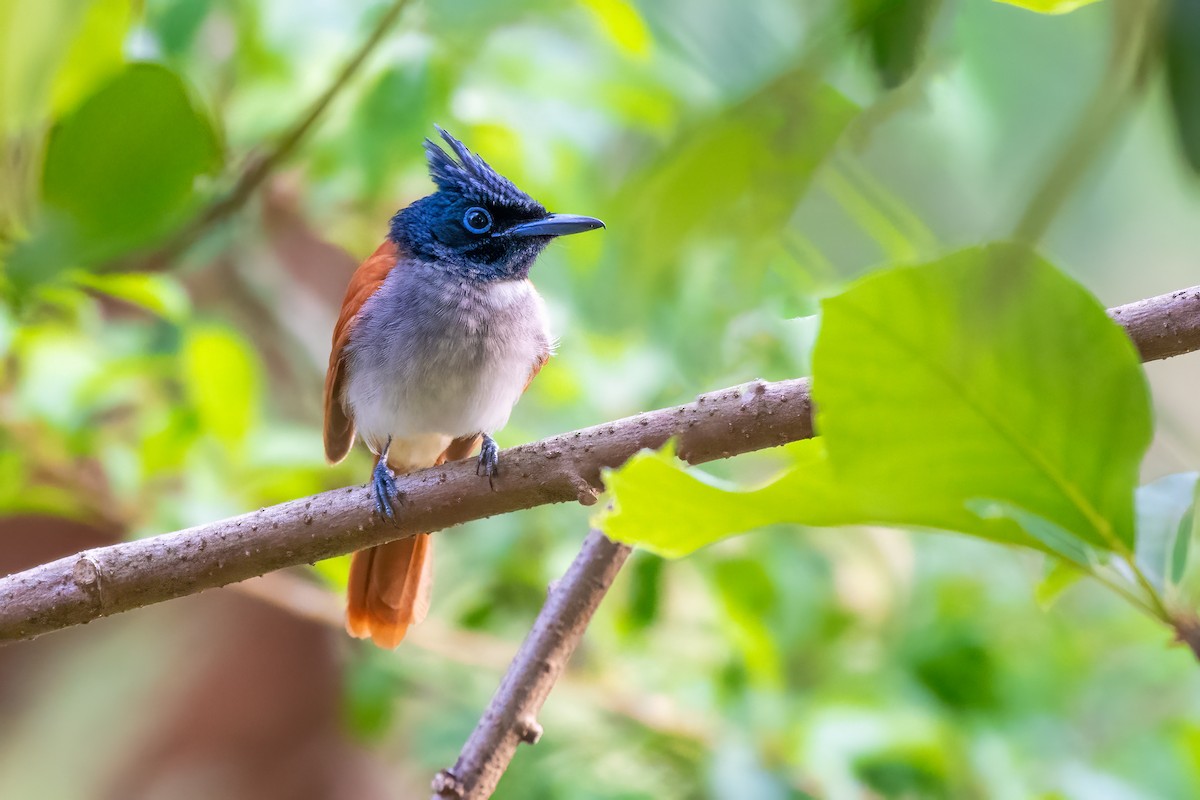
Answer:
[(472, 178)]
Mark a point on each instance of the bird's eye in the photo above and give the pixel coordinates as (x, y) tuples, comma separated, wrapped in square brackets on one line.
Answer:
[(477, 220)]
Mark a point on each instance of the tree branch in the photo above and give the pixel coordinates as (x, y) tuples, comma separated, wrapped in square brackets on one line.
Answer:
[(129, 575), (511, 717), (1161, 326), (121, 577)]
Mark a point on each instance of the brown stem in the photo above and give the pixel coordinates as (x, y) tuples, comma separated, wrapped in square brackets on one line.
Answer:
[(563, 468), (511, 717), (1187, 631)]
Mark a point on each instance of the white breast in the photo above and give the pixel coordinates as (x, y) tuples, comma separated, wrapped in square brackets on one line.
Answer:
[(441, 360)]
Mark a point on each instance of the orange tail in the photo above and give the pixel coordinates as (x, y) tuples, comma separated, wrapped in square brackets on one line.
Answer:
[(389, 589)]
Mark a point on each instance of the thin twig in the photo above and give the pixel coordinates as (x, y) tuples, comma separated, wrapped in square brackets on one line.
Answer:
[(121, 577), (511, 717), (259, 166)]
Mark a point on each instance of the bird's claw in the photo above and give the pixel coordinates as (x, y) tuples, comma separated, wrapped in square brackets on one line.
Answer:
[(384, 485), (489, 459)]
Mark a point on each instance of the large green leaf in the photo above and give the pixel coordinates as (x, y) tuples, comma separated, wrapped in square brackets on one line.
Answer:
[(980, 393), (120, 167), (988, 375)]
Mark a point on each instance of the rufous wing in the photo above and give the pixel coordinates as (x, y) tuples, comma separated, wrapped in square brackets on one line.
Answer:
[(537, 367), (339, 425)]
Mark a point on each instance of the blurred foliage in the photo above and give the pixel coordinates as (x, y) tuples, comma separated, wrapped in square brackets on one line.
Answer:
[(1050, 6), (750, 159), (1181, 59), (895, 32)]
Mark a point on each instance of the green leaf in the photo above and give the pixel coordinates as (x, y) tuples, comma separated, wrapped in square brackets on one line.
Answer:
[(1168, 535), (908, 770), (644, 598), (669, 511), (623, 25), (691, 190), (985, 393), (1051, 537), (160, 294), (747, 593), (95, 55), (987, 375), (37, 37), (1059, 576), (54, 52), (176, 23), (124, 163), (221, 374), (1164, 526), (740, 180), (895, 31), (953, 661), (1181, 61), (1049, 6)]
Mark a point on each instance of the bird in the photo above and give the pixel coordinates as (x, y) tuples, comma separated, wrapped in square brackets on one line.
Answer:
[(439, 334)]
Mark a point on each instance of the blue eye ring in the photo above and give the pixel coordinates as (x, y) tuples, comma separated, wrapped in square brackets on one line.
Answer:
[(477, 220)]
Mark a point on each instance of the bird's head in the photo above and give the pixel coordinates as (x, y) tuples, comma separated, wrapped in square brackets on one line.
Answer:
[(478, 223)]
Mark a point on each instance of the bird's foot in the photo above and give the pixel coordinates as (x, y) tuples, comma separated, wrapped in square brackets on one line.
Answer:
[(489, 459), (386, 491)]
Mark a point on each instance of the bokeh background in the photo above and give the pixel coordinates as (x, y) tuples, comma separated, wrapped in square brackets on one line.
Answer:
[(176, 234)]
